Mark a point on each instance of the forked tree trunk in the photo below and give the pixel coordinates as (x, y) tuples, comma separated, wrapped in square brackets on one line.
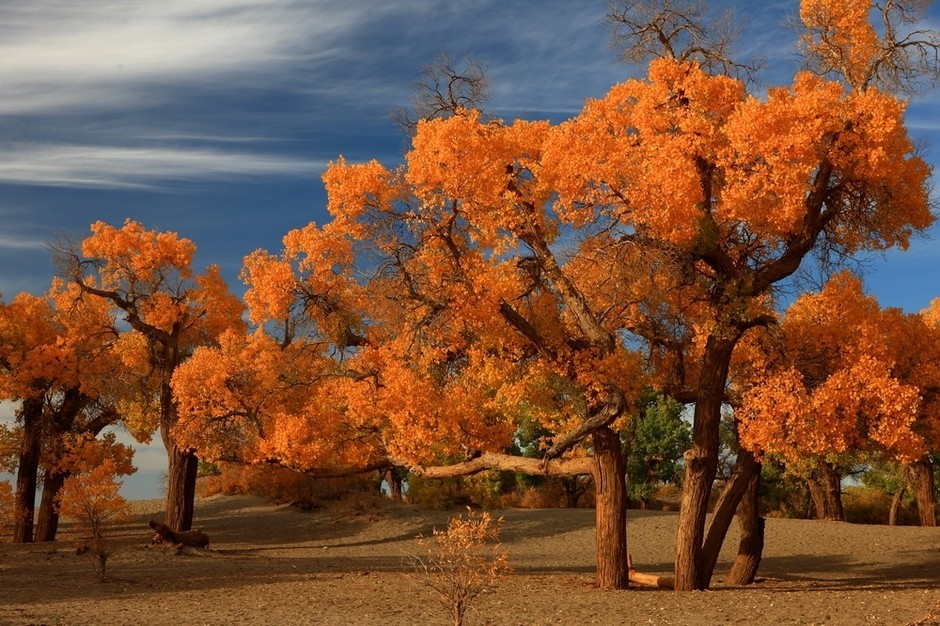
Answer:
[(611, 510), (896, 500), (47, 522), (701, 463), (180, 489), (920, 475), (751, 545), (24, 502), (746, 468)]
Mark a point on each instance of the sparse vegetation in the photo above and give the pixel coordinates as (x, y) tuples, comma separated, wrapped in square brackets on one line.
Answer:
[(92, 499), (462, 561)]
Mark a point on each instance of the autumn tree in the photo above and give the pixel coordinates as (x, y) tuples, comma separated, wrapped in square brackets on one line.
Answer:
[(90, 497), (55, 360), (740, 190), (148, 280), (845, 383), (508, 264)]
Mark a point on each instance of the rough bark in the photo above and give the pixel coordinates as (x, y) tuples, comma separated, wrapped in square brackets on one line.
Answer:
[(751, 545), (896, 501), (24, 502), (819, 499), (920, 475), (181, 488), (507, 463), (701, 463), (47, 522), (832, 482), (611, 510), (746, 468)]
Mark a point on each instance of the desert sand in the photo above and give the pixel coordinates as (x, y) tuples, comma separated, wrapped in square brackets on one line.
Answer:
[(274, 564)]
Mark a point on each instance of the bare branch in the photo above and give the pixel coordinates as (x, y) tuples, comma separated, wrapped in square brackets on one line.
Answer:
[(678, 29), (444, 90), (905, 60)]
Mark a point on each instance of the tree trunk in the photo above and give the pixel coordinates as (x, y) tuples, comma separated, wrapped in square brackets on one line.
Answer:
[(701, 463), (24, 502), (395, 491), (896, 500), (746, 468), (62, 422), (833, 492), (751, 545), (819, 498), (47, 522), (611, 512), (181, 489), (920, 475)]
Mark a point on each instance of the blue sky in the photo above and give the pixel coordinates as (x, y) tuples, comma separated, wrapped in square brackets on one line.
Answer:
[(216, 118)]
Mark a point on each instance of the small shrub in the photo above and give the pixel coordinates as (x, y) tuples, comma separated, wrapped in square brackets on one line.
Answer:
[(461, 562), (92, 499)]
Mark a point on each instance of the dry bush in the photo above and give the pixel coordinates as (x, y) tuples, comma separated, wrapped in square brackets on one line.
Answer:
[(863, 505), (284, 486), (486, 490), (463, 561)]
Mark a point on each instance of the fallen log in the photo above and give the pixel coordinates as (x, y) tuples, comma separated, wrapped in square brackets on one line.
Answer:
[(649, 580), (191, 538)]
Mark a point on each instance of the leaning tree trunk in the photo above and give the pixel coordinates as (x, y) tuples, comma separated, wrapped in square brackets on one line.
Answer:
[(751, 545), (896, 501), (24, 502), (47, 522), (816, 492), (611, 510), (920, 474), (701, 463), (746, 468)]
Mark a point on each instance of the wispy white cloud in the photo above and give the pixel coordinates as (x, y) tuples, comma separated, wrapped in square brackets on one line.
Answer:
[(60, 54), (9, 242), (115, 167)]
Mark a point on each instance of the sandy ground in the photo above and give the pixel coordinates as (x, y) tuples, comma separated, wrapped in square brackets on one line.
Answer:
[(273, 564)]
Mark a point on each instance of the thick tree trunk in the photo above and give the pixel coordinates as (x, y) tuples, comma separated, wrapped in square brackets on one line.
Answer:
[(819, 498), (181, 489), (701, 463), (832, 481), (920, 475), (47, 522), (746, 468), (896, 500), (611, 512), (751, 545), (24, 502)]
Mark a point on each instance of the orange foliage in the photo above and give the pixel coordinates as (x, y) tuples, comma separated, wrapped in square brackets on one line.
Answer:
[(505, 271), (848, 384), (92, 498)]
